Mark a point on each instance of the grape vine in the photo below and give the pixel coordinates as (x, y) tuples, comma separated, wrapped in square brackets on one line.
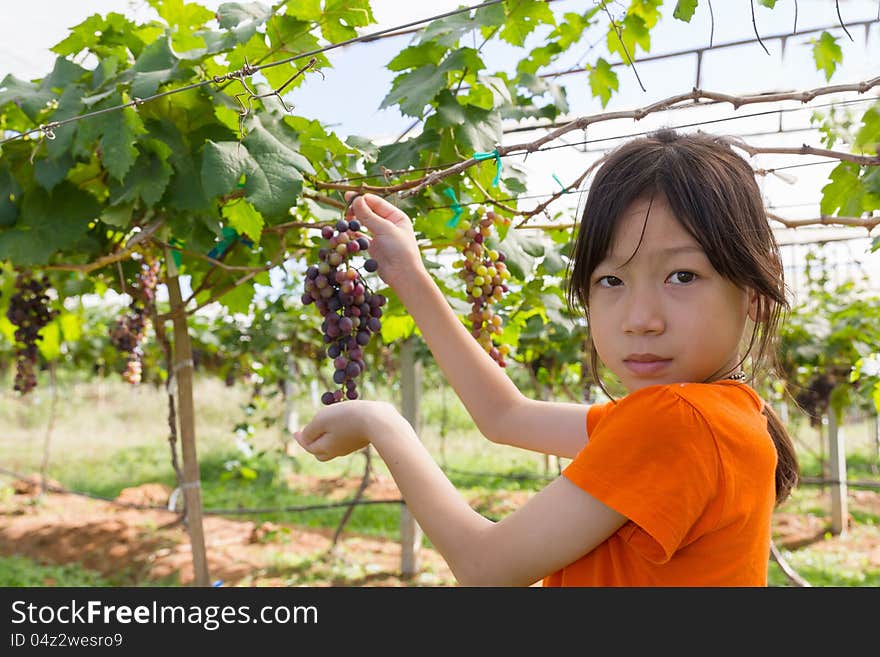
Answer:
[(351, 311), (485, 275), (130, 330), (29, 312)]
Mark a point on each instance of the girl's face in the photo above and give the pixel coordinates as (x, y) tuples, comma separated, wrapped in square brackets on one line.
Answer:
[(667, 315)]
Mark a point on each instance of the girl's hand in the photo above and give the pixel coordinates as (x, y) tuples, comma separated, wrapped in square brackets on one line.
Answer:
[(343, 428), (394, 244)]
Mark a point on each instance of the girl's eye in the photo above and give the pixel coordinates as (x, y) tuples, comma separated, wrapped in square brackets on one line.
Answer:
[(683, 277), (608, 281)]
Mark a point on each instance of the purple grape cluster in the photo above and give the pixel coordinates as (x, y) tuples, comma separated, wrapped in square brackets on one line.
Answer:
[(29, 312), (351, 311), (130, 330)]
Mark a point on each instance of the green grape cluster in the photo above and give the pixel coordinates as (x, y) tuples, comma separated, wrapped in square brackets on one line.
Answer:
[(485, 276)]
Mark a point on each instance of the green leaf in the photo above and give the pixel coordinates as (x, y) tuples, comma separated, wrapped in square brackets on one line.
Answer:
[(183, 15), (481, 131), (868, 136), (244, 218), (827, 54), (71, 323), (238, 299), (10, 197), (48, 172), (633, 32), (276, 183), (49, 342), (428, 52), (306, 10), (237, 14), (121, 130), (524, 17), (397, 327), (844, 192), (340, 17), (156, 65), (28, 96), (148, 177), (223, 165), (448, 109), (273, 180), (684, 10), (117, 215), (770, 4), (48, 222), (447, 32), (603, 81), (412, 91)]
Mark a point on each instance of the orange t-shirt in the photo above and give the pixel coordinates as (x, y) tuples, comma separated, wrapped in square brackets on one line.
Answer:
[(692, 467)]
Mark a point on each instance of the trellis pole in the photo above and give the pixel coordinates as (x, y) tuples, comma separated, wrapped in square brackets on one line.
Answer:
[(837, 464), (183, 375), (410, 386)]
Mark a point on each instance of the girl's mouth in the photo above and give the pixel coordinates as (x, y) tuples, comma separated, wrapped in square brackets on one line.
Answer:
[(647, 367)]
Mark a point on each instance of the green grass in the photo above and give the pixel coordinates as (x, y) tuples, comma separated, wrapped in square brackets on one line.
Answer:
[(20, 571), (108, 436)]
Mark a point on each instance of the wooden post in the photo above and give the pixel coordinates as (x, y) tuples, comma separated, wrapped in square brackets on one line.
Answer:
[(551, 461), (410, 385), (837, 464), (183, 374), (874, 437), (291, 415)]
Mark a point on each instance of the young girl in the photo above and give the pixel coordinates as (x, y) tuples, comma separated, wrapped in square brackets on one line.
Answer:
[(674, 484)]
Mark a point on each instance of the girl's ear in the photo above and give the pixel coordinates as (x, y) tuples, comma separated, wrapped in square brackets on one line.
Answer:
[(754, 306)]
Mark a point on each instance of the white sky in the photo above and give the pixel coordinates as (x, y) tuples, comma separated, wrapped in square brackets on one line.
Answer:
[(349, 96)]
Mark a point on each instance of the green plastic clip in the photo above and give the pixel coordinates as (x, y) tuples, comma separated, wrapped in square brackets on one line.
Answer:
[(485, 156), (456, 208), (175, 254)]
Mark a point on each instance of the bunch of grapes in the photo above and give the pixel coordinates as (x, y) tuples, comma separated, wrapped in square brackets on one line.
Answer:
[(485, 275), (351, 311), (130, 330), (29, 312)]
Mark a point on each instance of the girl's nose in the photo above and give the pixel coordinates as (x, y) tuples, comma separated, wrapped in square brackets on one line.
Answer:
[(643, 314)]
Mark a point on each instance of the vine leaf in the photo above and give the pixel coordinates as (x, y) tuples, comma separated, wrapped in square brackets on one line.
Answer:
[(525, 16), (684, 10), (148, 177), (244, 218), (634, 31), (120, 131), (155, 65), (269, 167), (9, 194), (38, 233), (603, 81), (844, 192), (827, 54)]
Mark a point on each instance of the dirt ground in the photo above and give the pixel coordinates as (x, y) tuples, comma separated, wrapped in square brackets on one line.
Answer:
[(152, 546)]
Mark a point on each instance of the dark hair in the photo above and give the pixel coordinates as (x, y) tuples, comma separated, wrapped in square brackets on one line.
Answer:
[(713, 193)]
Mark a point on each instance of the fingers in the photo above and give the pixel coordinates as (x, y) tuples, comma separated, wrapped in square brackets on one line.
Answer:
[(371, 210), (313, 445)]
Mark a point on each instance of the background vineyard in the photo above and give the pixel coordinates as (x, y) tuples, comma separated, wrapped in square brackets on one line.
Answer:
[(167, 140)]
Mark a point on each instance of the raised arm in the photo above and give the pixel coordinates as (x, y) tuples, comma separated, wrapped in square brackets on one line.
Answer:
[(501, 412)]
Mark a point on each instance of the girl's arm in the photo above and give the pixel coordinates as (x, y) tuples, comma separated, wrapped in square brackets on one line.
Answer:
[(553, 529), (502, 413)]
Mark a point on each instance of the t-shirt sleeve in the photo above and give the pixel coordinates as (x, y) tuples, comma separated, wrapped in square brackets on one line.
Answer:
[(653, 459), (595, 413)]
